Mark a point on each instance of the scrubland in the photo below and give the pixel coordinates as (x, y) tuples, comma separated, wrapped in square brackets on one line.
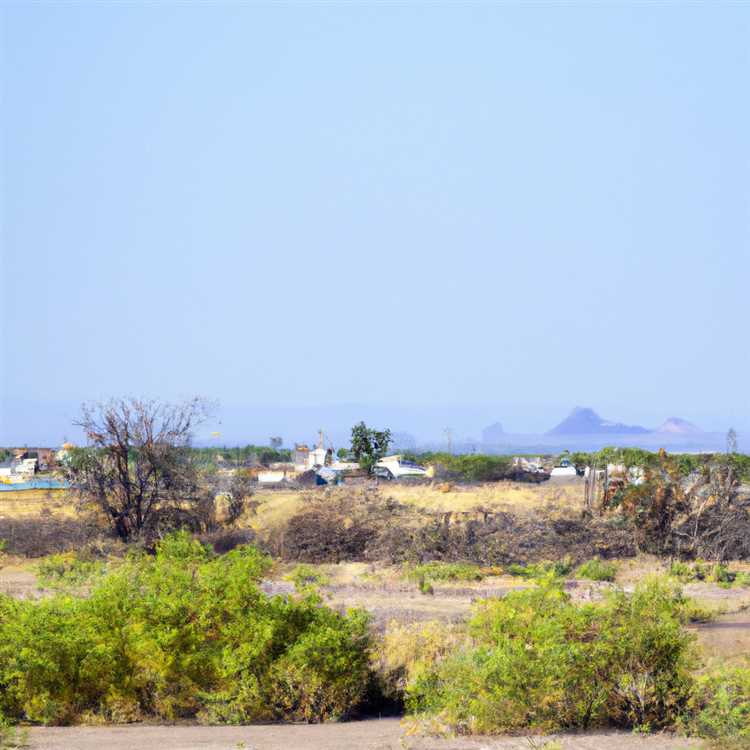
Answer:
[(466, 611)]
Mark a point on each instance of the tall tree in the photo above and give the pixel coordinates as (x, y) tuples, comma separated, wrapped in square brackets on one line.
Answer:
[(368, 445), (137, 466)]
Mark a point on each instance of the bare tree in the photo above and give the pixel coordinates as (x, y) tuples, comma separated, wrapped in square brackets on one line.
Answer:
[(137, 467), (276, 442)]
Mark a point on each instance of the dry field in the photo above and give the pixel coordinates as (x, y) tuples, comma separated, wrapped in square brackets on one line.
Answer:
[(17, 503), (493, 496), (275, 507)]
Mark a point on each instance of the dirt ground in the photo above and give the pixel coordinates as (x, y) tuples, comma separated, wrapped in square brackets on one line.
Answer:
[(375, 734)]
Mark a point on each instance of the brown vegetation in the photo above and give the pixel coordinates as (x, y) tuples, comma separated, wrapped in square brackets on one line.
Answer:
[(362, 525)]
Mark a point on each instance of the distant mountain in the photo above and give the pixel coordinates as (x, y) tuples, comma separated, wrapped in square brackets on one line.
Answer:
[(584, 421), (493, 434), (678, 426)]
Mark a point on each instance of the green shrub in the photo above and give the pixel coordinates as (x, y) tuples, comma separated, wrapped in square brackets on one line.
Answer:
[(717, 573), (537, 661), (719, 709), (542, 570), (468, 467), (180, 634), (425, 587), (596, 570), (304, 576), (443, 571), (67, 570), (682, 571)]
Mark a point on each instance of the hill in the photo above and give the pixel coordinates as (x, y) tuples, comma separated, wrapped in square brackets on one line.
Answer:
[(678, 426), (585, 421)]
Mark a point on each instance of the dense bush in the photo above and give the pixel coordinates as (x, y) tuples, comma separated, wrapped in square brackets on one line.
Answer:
[(596, 570), (537, 661), (710, 572), (545, 569), (719, 709), (180, 634), (440, 571), (69, 569), (468, 467)]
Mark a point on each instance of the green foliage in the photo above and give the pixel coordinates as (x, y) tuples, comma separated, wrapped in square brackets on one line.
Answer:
[(542, 570), (596, 570), (537, 661), (442, 571), (369, 445), (305, 576), (719, 709), (469, 467), (180, 634), (699, 570), (67, 570)]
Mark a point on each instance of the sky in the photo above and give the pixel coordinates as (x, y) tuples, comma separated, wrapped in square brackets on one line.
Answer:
[(422, 212)]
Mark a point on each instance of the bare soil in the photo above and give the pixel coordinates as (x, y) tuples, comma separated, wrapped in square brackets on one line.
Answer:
[(375, 734)]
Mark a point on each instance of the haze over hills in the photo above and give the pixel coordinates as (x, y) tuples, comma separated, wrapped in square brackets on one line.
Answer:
[(420, 427), (585, 421), (678, 426)]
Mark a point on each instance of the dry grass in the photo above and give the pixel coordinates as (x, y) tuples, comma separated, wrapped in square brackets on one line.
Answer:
[(23, 503), (275, 508), (492, 496)]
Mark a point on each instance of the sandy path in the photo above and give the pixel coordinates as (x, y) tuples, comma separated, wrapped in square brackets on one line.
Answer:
[(383, 734)]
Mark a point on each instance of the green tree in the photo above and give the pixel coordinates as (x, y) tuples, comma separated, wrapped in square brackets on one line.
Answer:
[(369, 445)]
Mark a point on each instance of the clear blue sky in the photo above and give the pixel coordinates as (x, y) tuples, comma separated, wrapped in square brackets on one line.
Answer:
[(517, 208)]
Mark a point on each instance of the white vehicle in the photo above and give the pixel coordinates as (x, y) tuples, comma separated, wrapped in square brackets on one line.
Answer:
[(397, 467), (564, 469)]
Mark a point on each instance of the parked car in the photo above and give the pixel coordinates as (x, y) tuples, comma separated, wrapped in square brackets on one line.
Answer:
[(397, 467)]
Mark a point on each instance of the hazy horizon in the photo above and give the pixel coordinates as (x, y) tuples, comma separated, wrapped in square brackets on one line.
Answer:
[(435, 213), (52, 423)]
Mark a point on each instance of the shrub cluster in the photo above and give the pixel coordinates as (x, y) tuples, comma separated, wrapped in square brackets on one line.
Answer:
[(596, 570), (469, 467), (181, 634), (443, 571), (719, 709), (537, 661), (710, 572)]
